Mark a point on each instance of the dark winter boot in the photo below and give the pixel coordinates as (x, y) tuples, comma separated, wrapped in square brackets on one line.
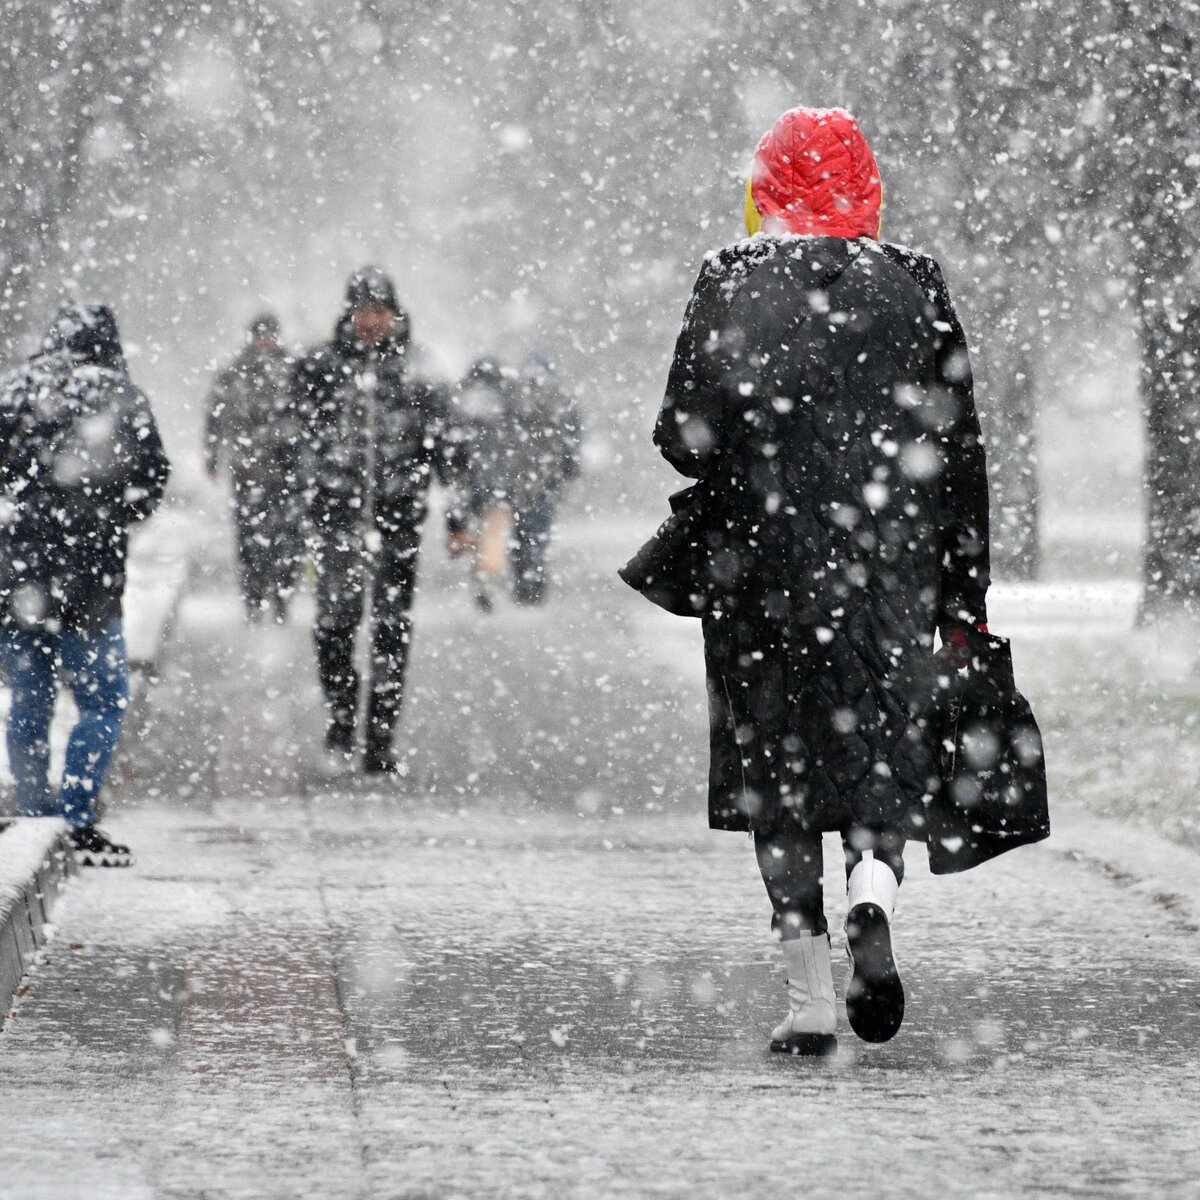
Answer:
[(340, 683), (93, 849), (339, 738), (811, 1024), (382, 712), (379, 760), (874, 995), (339, 749)]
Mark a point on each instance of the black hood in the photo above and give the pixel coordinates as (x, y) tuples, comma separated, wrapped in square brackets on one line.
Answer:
[(370, 285), (88, 334), (485, 369), (265, 325)]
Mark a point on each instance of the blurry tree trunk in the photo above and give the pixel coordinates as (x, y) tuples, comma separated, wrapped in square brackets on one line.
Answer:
[(1160, 119), (1170, 330), (1005, 394)]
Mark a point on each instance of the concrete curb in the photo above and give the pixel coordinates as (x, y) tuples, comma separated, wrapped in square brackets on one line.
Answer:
[(35, 862)]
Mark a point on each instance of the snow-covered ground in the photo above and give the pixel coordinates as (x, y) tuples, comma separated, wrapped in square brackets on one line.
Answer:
[(530, 970)]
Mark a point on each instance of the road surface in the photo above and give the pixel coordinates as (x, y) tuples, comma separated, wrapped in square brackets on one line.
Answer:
[(528, 969)]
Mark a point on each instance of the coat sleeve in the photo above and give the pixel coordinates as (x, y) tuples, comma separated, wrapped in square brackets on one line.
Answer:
[(691, 425), (148, 467), (289, 429), (442, 444), (963, 523), (571, 426), (307, 373), (15, 416), (439, 439)]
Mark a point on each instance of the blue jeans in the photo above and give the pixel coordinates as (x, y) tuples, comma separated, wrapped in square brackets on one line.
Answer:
[(98, 669)]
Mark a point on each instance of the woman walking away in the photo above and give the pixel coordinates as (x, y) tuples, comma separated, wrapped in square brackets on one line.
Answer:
[(821, 394), (80, 460)]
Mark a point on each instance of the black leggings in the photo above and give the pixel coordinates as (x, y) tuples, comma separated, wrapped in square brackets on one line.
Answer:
[(791, 866)]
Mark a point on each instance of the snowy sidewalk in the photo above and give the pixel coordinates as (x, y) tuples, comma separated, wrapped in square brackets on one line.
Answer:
[(529, 970), (378, 997)]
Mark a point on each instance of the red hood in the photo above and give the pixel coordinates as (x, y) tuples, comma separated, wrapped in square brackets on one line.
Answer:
[(814, 173)]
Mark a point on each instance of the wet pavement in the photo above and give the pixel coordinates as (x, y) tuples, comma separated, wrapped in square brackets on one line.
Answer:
[(527, 969)]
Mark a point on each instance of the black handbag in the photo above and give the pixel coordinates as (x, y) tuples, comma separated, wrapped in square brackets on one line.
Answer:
[(674, 569), (992, 794)]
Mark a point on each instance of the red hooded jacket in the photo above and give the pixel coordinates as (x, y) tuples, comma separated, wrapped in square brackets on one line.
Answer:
[(814, 173)]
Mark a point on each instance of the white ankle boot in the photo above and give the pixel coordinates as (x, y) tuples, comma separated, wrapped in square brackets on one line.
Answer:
[(811, 1023), (873, 882), (874, 995)]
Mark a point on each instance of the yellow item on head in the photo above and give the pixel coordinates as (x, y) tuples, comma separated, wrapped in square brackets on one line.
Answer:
[(753, 216)]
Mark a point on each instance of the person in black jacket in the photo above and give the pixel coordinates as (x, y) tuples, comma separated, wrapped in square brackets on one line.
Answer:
[(374, 439), (80, 461), (821, 394), (484, 463), (547, 459), (252, 425)]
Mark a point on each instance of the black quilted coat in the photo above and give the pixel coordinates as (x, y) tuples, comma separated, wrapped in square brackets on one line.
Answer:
[(821, 391), (80, 461), (374, 435)]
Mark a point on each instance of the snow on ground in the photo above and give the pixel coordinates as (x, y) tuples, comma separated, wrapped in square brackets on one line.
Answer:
[(530, 970)]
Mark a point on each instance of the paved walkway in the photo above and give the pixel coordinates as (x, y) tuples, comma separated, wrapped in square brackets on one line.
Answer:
[(529, 970)]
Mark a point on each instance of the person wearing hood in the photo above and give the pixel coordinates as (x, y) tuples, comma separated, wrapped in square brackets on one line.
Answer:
[(252, 426), (820, 395), (546, 459), (80, 461), (374, 438), (485, 441)]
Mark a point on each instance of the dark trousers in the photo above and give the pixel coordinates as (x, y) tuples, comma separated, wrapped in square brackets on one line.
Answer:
[(347, 570), (790, 862), (268, 545), (530, 540)]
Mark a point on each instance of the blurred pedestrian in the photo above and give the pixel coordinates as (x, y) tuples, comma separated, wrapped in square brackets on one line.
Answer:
[(821, 395), (485, 437), (546, 452), (80, 461), (374, 439), (252, 425)]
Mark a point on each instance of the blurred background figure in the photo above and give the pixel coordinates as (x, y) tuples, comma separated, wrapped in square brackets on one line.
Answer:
[(547, 443), (252, 426), (374, 439), (486, 443), (80, 461)]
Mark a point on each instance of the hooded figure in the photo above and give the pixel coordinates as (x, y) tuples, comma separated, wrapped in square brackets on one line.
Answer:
[(374, 438), (485, 442), (80, 461), (549, 434), (820, 395), (254, 428)]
